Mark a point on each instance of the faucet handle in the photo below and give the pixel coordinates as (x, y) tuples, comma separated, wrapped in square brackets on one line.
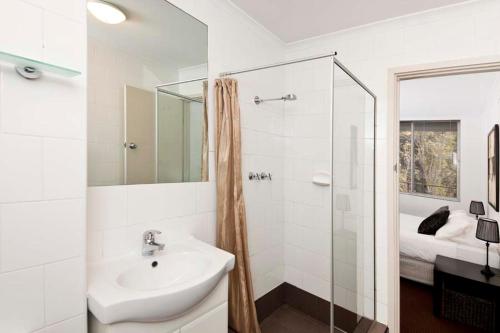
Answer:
[(150, 234)]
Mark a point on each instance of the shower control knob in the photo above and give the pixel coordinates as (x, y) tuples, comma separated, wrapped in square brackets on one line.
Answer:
[(253, 176), (264, 175), (132, 145)]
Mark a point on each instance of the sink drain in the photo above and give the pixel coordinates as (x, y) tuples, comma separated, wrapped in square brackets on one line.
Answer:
[(154, 264)]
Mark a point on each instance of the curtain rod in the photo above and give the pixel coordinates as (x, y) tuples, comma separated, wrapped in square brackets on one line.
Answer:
[(331, 54)]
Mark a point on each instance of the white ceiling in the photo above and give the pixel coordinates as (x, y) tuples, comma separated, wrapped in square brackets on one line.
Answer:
[(455, 95), (155, 30), (293, 20)]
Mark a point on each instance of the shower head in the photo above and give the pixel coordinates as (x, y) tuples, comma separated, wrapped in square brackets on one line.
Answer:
[(288, 97)]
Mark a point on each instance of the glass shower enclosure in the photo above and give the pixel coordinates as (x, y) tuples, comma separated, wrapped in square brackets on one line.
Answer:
[(308, 149)]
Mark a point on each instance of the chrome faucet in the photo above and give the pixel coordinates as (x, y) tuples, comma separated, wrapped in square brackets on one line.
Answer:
[(149, 245)]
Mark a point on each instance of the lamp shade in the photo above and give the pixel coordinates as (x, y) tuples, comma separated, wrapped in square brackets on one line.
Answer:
[(487, 230), (476, 208)]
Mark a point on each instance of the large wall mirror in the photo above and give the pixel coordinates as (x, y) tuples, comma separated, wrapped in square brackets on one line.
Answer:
[(147, 92)]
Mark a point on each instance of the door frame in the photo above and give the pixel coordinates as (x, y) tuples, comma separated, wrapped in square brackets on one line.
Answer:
[(395, 76)]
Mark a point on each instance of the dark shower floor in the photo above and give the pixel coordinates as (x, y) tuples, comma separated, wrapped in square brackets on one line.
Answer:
[(289, 320)]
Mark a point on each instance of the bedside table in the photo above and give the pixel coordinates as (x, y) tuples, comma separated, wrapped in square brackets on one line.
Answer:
[(463, 294)]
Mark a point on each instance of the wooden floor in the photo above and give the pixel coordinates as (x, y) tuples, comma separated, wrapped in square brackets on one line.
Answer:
[(416, 312)]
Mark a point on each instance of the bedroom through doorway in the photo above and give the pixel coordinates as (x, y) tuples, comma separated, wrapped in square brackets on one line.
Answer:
[(448, 195)]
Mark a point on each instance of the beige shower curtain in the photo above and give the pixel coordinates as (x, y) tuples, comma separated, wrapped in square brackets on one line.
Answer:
[(204, 143), (231, 217)]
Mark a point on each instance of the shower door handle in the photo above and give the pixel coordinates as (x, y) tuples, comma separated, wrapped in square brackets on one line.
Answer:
[(132, 145)]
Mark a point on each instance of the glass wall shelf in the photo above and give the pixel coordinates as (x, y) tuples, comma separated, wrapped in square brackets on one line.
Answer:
[(39, 65)]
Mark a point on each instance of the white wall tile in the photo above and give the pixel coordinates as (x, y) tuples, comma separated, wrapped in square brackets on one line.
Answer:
[(74, 325), (180, 199), (21, 304), (21, 168), (21, 29), (59, 32), (206, 197), (64, 290), (74, 9), (106, 207), (63, 168), (50, 231), (146, 203), (36, 166), (51, 106)]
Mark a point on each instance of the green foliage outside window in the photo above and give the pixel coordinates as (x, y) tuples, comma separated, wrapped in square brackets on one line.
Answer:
[(429, 158)]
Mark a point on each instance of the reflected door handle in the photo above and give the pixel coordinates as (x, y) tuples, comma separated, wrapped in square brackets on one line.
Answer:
[(132, 145)]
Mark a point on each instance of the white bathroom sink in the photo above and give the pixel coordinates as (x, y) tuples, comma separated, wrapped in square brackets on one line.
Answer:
[(157, 288), (165, 271)]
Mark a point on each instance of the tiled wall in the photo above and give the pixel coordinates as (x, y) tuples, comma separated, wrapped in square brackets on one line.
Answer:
[(307, 246), (463, 31), (117, 215), (42, 170), (263, 151)]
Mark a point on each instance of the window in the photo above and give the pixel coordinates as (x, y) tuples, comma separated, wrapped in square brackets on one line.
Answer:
[(428, 157)]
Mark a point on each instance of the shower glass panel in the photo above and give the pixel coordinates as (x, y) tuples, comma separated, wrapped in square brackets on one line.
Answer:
[(180, 139), (353, 203), (293, 116)]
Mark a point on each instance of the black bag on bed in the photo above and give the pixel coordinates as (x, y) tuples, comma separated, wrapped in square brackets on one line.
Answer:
[(431, 225)]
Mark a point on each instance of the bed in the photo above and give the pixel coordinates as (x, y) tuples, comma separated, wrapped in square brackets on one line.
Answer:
[(418, 252)]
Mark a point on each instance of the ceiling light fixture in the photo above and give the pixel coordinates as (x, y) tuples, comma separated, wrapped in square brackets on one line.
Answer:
[(106, 12)]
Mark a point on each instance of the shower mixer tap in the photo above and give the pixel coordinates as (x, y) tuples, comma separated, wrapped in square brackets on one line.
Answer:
[(264, 176), (259, 176), (253, 176)]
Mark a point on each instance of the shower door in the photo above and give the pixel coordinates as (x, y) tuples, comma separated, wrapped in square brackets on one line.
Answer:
[(139, 136), (309, 193), (353, 201)]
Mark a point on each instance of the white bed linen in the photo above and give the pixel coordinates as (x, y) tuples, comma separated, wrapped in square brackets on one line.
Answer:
[(427, 247), (423, 247)]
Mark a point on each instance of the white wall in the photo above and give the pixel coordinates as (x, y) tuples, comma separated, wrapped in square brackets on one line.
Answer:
[(119, 214), (466, 98), (42, 170), (110, 69), (491, 117), (451, 33)]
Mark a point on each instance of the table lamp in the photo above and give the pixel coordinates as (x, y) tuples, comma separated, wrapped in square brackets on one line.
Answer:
[(487, 230), (476, 208)]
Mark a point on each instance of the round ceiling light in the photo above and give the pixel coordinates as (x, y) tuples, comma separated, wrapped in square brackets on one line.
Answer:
[(106, 12)]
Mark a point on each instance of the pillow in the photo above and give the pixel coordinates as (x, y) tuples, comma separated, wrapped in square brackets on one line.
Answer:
[(431, 225), (458, 212), (457, 225)]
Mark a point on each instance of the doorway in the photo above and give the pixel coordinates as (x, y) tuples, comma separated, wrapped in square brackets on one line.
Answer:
[(397, 78)]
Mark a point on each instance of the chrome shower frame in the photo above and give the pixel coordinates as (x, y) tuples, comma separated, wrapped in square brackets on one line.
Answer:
[(335, 61), (159, 89)]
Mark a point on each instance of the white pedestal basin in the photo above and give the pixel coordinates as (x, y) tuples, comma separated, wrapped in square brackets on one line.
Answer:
[(157, 288)]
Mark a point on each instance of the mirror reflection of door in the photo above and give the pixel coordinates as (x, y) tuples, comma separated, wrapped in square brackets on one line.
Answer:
[(139, 136)]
